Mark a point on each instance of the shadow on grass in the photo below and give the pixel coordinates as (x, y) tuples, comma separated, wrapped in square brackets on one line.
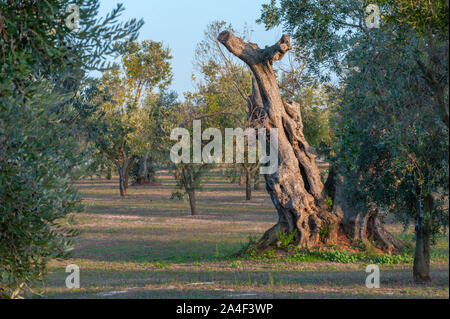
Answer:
[(229, 284)]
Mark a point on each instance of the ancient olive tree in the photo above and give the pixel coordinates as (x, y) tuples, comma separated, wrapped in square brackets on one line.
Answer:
[(392, 117), (296, 188)]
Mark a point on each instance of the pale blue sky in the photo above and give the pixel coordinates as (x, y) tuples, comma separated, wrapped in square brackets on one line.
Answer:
[(180, 25)]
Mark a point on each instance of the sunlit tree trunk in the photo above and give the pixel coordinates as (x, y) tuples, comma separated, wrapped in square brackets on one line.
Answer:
[(242, 177), (295, 188)]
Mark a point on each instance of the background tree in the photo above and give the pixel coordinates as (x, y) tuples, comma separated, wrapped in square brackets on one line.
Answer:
[(189, 176), (161, 108), (224, 87), (147, 65), (126, 105)]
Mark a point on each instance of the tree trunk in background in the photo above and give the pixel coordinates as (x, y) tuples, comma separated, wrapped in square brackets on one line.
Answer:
[(248, 185), (122, 188), (295, 188), (422, 256), (109, 174), (145, 172), (256, 182), (126, 175), (122, 169), (192, 202), (142, 177), (242, 177)]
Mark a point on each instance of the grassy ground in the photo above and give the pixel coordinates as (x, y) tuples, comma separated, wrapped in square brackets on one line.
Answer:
[(148, 246)]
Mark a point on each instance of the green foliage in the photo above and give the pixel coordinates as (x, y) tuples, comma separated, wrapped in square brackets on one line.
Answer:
[(286, 240), (249, 249), (423, 16), (36, 160), (322, 31), (331, 255), (329, 202), (127, 118), (391, 144), (235, 264), (42, 65), (325, 229), (42, 43)]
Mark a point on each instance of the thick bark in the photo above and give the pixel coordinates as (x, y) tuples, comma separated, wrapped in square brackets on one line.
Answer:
[(358, 225), (422, 256), (295, 188)]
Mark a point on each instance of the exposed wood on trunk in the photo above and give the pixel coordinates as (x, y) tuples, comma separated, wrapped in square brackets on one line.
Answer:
[(295, 188)]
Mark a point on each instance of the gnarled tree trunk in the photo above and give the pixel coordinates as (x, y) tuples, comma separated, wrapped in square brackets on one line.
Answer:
[(295, 188), (145, 172)]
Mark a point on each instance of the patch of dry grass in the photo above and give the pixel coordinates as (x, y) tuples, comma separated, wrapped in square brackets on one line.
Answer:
[(148, 246)]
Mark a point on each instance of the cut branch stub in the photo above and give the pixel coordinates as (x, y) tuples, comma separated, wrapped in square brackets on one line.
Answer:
[(250, 53)]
